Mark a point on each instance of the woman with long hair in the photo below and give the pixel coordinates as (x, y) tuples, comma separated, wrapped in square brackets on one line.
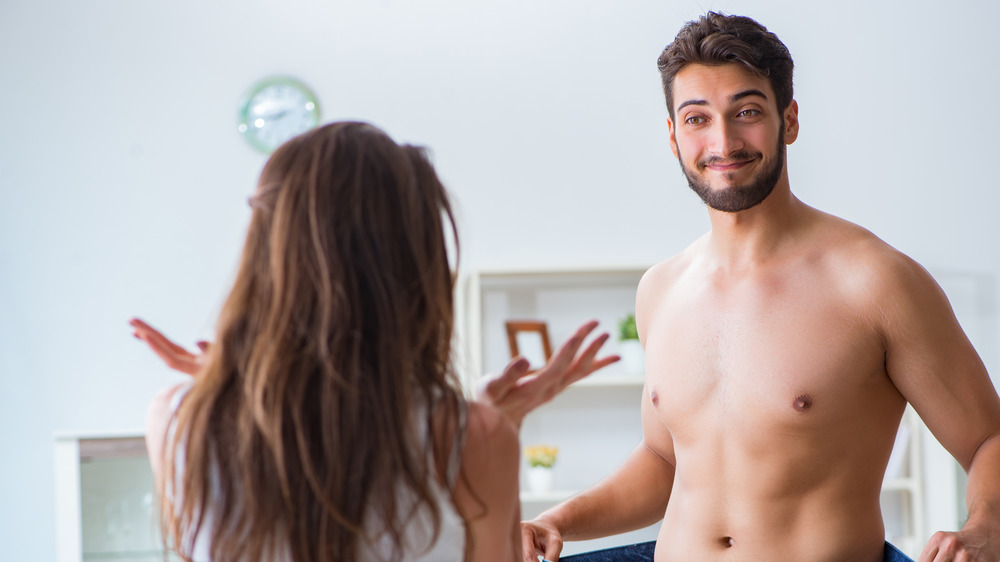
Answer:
[(326, 421)]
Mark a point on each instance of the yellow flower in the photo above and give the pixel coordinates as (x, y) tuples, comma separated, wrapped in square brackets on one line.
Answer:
[(541, 455)]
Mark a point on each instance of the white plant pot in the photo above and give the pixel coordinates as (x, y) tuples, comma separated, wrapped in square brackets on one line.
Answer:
[(539, 479), (633, 357)]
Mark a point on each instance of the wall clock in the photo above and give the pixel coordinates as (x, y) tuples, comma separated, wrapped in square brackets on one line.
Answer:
[(276, 109)]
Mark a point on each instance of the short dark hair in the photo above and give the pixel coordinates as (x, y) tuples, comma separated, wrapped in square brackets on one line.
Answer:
[(715, 39)]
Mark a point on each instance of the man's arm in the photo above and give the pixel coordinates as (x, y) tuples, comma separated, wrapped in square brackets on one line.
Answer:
[(636, 494), (632, 497), (933, 364), (980, 533)]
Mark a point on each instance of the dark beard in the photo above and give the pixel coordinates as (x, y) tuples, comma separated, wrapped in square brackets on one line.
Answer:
[(740, 197)]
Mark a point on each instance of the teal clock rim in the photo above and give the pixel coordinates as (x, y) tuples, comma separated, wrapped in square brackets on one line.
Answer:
[(254, 89)]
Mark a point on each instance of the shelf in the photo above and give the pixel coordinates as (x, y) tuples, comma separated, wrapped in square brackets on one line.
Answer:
[(112, 448), (610, 380), (124, 555), (553, 496), (568, 277)]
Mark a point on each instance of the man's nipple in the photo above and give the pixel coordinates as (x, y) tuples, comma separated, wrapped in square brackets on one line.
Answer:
[(802, 402), (654, 397)]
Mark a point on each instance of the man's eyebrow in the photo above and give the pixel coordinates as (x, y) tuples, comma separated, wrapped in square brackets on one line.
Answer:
[(735, 97), (746, 93), (691, 102)]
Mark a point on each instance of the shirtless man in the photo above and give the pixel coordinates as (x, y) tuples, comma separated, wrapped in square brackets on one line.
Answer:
[(781, 348)]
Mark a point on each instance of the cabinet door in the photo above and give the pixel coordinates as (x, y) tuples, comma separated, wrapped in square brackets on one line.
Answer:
[(106, 497)]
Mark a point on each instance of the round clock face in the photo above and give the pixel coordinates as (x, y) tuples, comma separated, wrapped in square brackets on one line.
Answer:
[(275, 110)]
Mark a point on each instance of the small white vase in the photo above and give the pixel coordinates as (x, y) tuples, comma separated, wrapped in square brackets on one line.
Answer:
[(633, 357), (539, 479)]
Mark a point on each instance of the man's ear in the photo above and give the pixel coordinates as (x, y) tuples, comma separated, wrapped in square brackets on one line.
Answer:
[(791, 122), (673, 137)]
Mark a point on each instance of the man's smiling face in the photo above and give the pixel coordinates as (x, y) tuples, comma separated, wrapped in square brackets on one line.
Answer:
[(728, 134)]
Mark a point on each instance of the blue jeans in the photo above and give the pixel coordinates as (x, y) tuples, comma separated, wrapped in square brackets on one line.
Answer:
[(892, 554), (643, 552)]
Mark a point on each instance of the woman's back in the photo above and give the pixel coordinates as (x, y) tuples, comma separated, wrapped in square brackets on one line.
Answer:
[(490, 468)]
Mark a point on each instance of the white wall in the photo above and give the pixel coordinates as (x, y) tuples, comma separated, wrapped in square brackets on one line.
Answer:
[(123, 180)]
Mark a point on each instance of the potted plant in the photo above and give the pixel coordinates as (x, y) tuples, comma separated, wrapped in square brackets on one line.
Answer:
[(540, 459), (633, 356)]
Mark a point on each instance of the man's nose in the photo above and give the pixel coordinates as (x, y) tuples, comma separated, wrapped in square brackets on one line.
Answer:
[(725, 138)]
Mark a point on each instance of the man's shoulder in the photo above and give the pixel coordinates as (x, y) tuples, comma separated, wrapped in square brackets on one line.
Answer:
[(667, 270), (861, 259)]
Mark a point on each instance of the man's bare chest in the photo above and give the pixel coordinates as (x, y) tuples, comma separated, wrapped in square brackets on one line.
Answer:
[(760, 356)]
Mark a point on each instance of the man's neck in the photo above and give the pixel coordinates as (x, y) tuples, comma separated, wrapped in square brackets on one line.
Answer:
[(750, 238)]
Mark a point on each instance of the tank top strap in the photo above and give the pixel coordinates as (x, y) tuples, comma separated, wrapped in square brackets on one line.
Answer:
[(179, 394)]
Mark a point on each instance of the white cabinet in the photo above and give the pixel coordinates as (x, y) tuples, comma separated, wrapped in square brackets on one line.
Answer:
[(596, 422), (106, 507)]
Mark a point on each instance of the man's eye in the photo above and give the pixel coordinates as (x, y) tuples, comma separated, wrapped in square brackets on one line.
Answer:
[(748, 113), (694, 120)]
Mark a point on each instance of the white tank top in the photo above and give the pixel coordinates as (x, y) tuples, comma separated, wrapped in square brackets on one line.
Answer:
[(419, 532)]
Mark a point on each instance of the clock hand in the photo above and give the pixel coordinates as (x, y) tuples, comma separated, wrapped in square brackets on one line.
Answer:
[(277, 114)]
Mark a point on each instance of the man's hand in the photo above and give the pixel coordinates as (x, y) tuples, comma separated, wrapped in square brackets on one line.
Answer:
[(964, 546), (516, 391), (539, 538), (175, 356)]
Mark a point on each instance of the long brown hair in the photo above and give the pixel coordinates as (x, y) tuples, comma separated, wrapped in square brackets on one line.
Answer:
[(301, 426)]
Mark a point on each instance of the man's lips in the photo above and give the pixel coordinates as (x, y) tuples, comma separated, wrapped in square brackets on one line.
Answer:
[(725, 167), (720, 165)]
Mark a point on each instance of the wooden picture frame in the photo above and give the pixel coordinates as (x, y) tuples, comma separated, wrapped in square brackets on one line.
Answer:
[(529, 339)]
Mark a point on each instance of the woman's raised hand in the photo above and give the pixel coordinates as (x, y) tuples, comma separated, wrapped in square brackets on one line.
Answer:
[(175, 356), (516, 391)]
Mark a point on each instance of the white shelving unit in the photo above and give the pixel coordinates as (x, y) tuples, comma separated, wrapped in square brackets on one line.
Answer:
[(902, 495), (596, 422)]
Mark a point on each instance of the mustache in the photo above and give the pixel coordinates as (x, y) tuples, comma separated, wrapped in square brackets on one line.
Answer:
[(741, 156)]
